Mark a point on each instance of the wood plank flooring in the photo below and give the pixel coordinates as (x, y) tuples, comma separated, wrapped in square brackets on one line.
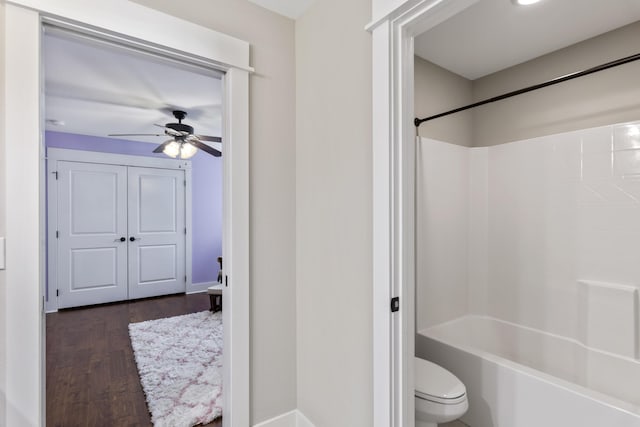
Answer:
[(92, 379)]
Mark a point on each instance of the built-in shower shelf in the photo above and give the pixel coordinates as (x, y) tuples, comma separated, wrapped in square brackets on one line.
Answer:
[(608, 317)]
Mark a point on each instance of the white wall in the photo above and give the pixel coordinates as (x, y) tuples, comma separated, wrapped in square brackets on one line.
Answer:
[(442, 234), (334, 220)]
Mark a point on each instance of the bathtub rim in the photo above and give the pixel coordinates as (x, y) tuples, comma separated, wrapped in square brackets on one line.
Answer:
[(594, 395)]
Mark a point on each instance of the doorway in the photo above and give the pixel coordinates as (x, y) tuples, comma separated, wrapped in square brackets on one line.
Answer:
[(25, 165), (393, 31), (119, 223), (109, 111)]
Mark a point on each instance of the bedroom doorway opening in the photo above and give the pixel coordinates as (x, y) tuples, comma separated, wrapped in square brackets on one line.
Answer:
[(134, 190), (112, 105)]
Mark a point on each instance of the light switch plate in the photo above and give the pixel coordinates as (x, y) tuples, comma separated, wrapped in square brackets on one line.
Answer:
[(2, 253)]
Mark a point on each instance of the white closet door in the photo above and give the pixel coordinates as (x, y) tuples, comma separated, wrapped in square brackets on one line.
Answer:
[(92, 225), (156, 232)]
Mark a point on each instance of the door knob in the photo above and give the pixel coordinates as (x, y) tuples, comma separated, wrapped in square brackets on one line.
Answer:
[(123, 239), (133, 239)]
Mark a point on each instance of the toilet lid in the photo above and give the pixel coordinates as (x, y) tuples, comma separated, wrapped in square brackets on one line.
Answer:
[(433, 382)]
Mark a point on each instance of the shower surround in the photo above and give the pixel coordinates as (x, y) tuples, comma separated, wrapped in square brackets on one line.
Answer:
[(542, 233)]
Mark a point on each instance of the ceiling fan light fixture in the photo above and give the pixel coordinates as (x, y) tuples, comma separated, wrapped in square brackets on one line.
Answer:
[(187, 150), (172, 149), (183, 144)]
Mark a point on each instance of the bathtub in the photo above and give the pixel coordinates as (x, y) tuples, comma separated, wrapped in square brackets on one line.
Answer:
[(523, 377)]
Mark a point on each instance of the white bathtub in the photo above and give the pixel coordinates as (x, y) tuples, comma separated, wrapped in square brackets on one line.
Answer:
[(522, 377)]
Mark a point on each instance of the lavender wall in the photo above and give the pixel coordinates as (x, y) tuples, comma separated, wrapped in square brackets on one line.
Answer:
[(206, 172)]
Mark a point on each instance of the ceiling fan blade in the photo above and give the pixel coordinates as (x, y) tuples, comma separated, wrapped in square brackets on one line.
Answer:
[(216, 145), (160, 147), (204, 147), (169, 131), (135, 134), (209, 138)]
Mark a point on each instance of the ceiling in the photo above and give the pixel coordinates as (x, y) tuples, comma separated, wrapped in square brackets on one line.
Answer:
[(493, 35), (97, 88)]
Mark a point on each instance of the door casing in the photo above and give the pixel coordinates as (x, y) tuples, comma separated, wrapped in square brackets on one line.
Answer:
[(23, 126), (393, 32)]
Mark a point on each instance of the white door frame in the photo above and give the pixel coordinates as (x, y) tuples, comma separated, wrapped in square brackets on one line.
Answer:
[(393, 202), (154, 31), (53, 155)]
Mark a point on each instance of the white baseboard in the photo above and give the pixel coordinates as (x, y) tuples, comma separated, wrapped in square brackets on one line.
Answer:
[(294, 418), (195, 288)]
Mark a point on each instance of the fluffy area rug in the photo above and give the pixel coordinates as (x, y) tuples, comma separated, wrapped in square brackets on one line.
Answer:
[(180, 365)]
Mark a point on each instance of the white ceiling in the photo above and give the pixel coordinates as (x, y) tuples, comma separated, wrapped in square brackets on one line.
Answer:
[(290, 8), (493, 35), (98, 89)]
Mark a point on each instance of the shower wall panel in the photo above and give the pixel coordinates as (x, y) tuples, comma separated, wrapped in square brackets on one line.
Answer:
[(562, 208), (442, 202), (510, 230)]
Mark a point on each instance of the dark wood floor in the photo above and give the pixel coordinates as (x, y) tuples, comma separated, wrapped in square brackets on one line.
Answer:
[(92, 379)]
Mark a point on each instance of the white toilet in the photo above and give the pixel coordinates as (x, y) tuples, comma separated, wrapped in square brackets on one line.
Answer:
[(440, 396)]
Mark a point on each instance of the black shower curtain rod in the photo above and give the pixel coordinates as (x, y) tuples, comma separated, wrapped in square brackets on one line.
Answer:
[(551, 82)]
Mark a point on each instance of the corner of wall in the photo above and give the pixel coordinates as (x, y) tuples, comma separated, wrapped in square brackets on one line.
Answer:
[(436, 90), (2, 223), (478, 230), (293, 418)]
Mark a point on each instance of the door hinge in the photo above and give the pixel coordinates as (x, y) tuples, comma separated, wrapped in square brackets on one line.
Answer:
[(395, 304), (226, 281), (57, 234), (57, 292), (56, 174), (185, 279), (185, 182), (185, 230)]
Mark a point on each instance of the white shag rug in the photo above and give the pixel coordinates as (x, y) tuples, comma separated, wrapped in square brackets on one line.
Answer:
[(180, 365)]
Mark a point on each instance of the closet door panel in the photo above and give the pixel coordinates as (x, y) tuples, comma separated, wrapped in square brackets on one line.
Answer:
[(156, 232), (92, 220)]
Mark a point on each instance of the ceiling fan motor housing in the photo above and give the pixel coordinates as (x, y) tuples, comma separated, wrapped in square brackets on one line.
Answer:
[(180, 127)]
